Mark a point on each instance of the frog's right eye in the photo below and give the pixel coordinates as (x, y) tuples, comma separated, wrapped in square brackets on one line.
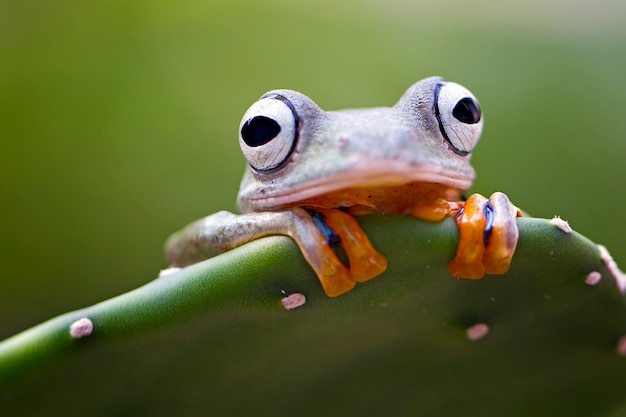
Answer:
[(268, 132), (459, 116)]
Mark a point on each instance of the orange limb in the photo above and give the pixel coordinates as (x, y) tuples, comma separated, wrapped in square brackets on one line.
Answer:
[(476, 255), (365, 262), (504, 235), (335, 278), (468, 262), (434, 211)]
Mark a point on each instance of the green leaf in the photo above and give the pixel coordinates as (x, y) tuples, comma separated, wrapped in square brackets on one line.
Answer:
[(215, 339)]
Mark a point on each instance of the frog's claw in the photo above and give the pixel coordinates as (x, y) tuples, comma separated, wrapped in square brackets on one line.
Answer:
[(365, 262), (317, 250), (488, 235), (311, 235)]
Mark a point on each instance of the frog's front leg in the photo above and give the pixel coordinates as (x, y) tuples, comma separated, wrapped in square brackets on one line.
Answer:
[(223, 231), (488, 236)]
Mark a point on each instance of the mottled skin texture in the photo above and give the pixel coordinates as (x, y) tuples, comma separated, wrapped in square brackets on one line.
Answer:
[(411, 158)]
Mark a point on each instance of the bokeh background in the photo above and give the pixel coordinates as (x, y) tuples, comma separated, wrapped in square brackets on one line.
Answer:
[(118, 119)]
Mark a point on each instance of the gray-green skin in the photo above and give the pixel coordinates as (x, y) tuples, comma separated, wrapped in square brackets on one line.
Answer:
[(417, 140)]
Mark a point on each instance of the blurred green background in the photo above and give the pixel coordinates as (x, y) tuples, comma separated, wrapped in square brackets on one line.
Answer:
[(118, 119)]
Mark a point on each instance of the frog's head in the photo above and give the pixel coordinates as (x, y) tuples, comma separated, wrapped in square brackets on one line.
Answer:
[(297, 152)]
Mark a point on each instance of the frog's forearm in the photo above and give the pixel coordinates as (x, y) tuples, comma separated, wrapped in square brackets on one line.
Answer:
[(222, 231), (198, 241)]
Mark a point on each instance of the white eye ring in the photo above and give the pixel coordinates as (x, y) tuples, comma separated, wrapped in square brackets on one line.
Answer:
[(268, 132), (460, 118)]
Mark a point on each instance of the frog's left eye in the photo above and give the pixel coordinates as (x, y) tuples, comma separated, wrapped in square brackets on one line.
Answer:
[(459, 116), (268, 132)]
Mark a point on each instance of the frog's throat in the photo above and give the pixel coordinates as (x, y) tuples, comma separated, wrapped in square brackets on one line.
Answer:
[(381, 181)]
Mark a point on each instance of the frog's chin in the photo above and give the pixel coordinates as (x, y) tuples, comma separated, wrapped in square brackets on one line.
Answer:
[(369, 187)]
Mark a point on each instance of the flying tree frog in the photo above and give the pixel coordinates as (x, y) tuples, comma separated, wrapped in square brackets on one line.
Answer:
[(310, 172)]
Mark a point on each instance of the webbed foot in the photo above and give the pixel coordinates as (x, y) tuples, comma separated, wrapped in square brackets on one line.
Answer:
[(488, 236), (342, 229)]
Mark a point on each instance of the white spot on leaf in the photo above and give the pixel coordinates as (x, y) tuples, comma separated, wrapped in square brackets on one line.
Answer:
[(294, 300), (168, 271), (620, 279), (593, 278), (81, 328), (477, 331), (561, 224)]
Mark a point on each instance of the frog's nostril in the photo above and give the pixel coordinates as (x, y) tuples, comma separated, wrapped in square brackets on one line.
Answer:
[(343, 142)]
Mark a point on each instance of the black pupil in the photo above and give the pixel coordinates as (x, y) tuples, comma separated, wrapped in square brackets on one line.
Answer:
[(467, 111), (259, 130)]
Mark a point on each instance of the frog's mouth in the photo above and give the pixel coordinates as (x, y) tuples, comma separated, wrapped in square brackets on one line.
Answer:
[(388, 187)]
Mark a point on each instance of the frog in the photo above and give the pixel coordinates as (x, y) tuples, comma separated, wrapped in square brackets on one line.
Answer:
[(311, 173)]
